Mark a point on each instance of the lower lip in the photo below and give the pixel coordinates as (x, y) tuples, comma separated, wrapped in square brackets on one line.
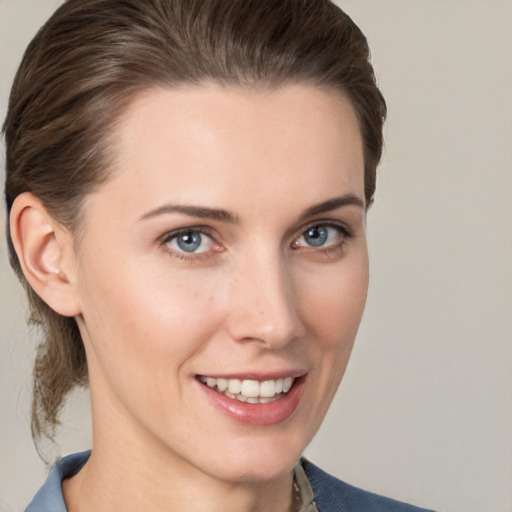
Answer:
[(258, 414)]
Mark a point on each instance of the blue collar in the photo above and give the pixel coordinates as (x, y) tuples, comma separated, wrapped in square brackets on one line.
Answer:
[(49, 497)]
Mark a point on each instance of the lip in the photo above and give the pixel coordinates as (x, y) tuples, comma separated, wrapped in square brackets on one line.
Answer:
[(271, 413), (259, 375)]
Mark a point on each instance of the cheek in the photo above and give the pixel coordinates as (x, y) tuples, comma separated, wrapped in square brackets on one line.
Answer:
[(148, 324), (143, 328), (333, 312), (334, 303)]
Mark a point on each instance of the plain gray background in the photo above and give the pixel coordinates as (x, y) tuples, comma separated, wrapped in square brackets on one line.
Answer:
[(424, 413)]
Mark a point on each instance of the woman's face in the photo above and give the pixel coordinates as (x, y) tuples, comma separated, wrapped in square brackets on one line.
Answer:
[(227, 251)]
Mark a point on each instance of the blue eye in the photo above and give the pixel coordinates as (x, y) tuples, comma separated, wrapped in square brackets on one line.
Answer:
[(189, 241), (316, 236), (321, 235)]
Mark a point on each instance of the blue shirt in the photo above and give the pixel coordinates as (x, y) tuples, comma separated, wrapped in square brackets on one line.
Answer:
[(330, 494)]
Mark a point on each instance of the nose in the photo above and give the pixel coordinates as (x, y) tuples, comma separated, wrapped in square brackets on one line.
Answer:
[(263, 304)]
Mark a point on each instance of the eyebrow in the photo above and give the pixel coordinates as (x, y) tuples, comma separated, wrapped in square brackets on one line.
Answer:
[(193, 211), (333, 204), (221, 215)]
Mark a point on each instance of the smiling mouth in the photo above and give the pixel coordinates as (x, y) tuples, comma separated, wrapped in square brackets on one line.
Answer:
[(250, 391)]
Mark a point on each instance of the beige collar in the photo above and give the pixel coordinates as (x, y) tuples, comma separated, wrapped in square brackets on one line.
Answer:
[(302, 492)]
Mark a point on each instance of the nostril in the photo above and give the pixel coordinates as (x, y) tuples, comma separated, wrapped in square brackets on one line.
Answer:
[(264, 305)]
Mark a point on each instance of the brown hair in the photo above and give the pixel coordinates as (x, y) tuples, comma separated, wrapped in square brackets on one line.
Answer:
[(89, 60)]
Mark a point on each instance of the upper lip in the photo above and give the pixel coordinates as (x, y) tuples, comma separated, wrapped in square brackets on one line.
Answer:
[(259, 376)]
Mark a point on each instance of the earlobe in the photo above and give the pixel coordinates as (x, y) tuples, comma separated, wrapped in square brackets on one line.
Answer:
[(45, 252)]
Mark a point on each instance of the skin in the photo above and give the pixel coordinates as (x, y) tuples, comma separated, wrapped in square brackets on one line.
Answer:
[(257, 297)]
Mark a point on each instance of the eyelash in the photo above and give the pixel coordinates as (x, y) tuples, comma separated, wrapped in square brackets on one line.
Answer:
[(343, 232), (196, 230)]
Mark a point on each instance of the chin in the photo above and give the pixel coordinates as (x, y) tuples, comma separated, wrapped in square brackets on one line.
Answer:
[(257, 460)]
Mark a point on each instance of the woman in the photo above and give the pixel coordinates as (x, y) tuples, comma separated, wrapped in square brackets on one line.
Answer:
[(187, 186)]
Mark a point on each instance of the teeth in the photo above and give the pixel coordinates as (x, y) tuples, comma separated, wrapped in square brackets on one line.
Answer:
[(287, 384), (222, 384), (234, 386), (250, 391), (250, 388), (268, 388)]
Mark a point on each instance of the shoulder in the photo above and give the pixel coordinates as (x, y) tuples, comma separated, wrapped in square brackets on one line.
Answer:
[(333, 495), (49, 497)]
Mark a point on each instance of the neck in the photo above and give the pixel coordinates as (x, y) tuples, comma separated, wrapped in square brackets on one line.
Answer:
[(118, 483)]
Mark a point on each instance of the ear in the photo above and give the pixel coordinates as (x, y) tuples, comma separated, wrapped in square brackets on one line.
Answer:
[(46, 253)]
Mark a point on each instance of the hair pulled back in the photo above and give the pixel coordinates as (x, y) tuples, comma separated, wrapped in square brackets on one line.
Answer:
[(89, 61)]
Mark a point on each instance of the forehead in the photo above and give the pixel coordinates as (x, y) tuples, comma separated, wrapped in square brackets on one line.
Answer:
[(214, 144)]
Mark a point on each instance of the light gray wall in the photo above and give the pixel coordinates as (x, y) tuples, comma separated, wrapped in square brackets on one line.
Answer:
[(425, 411)]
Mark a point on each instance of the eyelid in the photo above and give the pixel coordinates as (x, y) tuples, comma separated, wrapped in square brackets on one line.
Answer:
[(204, 231), (344, 231), (338, 225), (173, 233)]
